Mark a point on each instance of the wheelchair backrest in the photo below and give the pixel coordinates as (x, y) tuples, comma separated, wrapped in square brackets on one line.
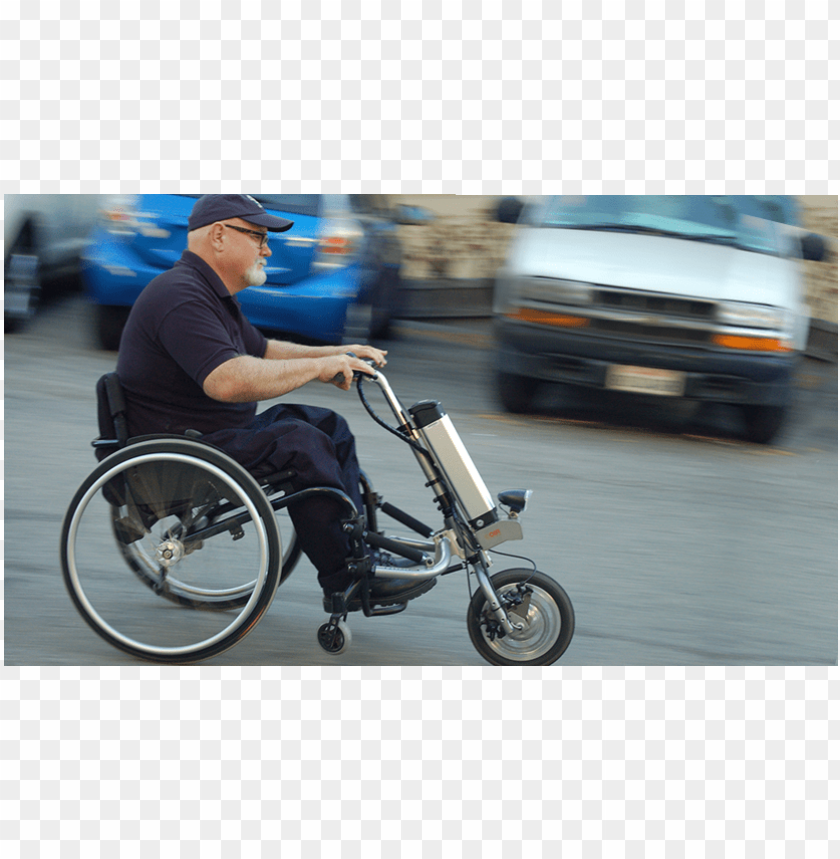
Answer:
[(110, 413)]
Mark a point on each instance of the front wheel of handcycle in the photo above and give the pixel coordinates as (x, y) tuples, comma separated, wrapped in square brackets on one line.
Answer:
[(170, 551), (534, 602)]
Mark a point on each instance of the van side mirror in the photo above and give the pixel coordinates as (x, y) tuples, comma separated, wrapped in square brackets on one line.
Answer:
[(509, 210), (813, 247)]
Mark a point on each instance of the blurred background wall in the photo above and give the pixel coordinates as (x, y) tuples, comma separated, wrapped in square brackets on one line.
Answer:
[(819, 215)]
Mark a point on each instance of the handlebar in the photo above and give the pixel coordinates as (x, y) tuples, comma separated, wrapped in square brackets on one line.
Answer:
[(339, 377)]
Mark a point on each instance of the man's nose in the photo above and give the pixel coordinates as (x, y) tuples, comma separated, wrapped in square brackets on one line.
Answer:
[(265, 250)]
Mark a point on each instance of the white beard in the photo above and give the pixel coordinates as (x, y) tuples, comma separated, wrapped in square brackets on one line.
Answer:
[(255, 275)]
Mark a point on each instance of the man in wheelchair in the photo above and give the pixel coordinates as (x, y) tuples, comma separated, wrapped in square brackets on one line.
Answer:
[(189, 360)]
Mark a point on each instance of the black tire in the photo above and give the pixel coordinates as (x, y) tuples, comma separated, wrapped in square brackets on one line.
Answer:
[(21, 281), (191, 525), (384, 304), (110, 321), (763, 422), (516, 393), (334, 641), (547, 614)]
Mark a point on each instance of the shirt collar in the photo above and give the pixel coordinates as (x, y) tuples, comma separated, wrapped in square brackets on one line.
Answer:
[(206, 271)]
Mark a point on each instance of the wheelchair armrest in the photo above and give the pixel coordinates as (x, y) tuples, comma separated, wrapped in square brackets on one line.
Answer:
[(105, 446), (105, 442)]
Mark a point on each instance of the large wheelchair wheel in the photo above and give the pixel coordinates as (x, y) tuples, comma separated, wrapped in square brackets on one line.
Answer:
[(533, 601), (176, 519)]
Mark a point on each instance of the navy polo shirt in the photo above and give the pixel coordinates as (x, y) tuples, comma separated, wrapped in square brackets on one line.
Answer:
[(183, 325)]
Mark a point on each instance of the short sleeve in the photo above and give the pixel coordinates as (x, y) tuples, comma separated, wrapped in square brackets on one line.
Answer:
[(195, 335)]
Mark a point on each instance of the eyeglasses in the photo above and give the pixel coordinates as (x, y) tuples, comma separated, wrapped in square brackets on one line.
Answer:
[(263, 237)]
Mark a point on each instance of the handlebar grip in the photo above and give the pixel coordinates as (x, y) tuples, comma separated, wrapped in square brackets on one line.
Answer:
[(338, 378)]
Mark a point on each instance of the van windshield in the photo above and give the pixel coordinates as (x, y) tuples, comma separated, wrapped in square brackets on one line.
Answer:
[(743, 222)]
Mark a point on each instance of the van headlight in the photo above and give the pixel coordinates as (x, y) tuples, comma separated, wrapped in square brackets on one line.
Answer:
[(547, 290), (754, 316), (755, 328), (512, 291)]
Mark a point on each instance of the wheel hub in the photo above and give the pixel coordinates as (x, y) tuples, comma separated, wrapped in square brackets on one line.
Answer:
[(523, 629), (169, 552)]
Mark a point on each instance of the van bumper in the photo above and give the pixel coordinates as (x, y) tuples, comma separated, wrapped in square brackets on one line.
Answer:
[(710, 375)]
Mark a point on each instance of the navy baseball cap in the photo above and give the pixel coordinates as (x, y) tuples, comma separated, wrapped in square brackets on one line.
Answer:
[(218, 207)]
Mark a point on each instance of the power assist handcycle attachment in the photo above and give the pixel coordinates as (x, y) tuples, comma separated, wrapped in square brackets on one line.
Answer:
[(505, 621)]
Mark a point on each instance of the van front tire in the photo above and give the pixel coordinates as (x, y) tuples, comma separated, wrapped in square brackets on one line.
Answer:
[(763, 422), (516, 393)]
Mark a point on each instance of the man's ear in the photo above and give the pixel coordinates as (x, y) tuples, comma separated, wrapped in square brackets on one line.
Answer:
[(217, 236)]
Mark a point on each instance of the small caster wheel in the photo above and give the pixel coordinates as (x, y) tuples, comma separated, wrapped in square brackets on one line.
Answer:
[(334, 639)]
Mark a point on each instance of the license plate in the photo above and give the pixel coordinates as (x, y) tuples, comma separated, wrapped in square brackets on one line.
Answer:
[(645, 380)]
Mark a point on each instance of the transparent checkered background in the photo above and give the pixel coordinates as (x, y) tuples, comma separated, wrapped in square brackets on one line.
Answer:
[(431, 97)]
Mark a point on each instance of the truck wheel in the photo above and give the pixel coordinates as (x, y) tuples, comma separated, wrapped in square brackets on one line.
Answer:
[(384, 304), (763, 422), (516, 393), (22, 282)]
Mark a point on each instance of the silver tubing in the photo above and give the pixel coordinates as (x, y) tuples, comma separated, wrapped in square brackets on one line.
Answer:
[(440, 564), (390, 396), (493, 601), (413, 543)]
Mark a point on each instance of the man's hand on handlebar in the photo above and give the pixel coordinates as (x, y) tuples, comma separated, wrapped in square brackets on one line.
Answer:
[(340, 369), (371, 352)]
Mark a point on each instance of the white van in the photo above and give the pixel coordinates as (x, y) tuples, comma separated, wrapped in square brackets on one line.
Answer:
[(673, 296)]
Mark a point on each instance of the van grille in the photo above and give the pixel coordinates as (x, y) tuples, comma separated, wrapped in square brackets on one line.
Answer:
[(666, 305), (653, 333)]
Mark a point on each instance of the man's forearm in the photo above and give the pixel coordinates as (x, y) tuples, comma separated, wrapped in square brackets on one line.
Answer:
[(280, 350), (246, 379)]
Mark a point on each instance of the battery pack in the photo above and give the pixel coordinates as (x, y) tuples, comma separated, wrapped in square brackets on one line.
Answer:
[(442, 439)]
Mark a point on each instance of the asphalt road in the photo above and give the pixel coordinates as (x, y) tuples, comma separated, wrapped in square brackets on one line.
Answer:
[(678, 542)]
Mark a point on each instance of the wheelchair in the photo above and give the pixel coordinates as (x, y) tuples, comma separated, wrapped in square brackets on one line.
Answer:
[(172, 552)]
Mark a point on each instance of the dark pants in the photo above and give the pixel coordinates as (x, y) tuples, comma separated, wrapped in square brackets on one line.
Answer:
[(318, 445)]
